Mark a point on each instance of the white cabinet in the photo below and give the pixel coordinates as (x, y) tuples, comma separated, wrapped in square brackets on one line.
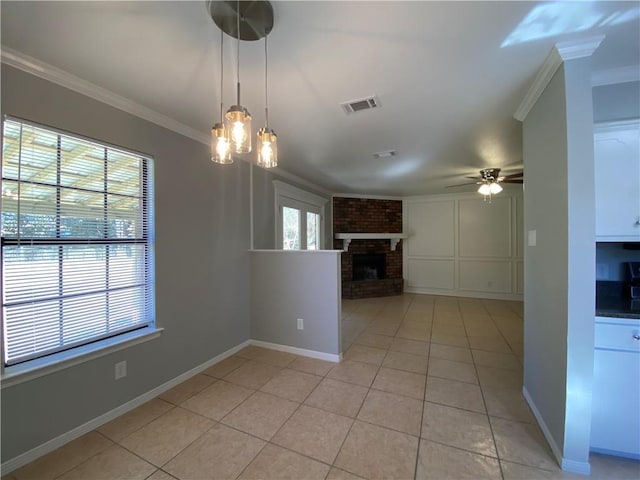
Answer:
[(615, 418), (617, 178)]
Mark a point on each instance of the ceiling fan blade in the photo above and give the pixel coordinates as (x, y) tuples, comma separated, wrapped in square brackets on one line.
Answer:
[(462, 184), (474, 178), (514, 175), (513, 180)]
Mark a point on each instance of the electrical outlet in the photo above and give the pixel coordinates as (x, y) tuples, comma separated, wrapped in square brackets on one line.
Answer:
[(300, 324), (121, 369)]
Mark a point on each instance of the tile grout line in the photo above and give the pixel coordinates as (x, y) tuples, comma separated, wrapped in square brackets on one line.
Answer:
[(268, 442), (484, 401), (357, 413), (215, 422), (86, 459), (424, 395)]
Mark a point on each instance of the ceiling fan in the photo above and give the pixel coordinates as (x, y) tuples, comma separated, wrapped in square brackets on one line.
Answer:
[(490, 180)]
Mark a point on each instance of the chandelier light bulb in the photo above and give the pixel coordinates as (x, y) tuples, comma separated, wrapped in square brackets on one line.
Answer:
[(268, 148), (238, 121), (220, 146)]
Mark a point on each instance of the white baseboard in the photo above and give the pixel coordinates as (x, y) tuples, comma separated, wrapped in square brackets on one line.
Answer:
[(464, 293), (330, 357), (617, 453), (57, 442), (583, 468)]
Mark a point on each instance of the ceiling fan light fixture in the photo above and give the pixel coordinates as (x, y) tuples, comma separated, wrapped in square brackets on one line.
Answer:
[(494, 188), (485, 189)]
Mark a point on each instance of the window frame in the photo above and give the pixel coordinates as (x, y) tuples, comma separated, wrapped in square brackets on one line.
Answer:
[(293, 197), (98, 346)]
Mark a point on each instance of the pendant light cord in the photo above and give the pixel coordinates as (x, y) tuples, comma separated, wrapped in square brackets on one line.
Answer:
[(221, 76), (238, 45), (266, 85)]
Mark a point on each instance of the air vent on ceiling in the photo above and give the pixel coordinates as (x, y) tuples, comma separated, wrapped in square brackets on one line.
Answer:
[(384, 154), (360, 104)]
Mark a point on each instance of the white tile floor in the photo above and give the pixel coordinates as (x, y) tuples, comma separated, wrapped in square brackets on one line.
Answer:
[(430, 388)]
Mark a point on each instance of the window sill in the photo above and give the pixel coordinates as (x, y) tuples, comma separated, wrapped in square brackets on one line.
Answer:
[(40, 367)]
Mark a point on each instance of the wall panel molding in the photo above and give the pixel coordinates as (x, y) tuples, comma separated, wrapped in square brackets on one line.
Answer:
[(461, 245)]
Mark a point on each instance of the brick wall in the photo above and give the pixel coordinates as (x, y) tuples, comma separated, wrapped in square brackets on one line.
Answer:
[(364, 215)]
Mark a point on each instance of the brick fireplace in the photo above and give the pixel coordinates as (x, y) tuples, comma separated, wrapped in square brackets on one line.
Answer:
[(371, 216)]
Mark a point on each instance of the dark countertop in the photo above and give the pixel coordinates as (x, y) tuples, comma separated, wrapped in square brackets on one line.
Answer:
[(612, 300)]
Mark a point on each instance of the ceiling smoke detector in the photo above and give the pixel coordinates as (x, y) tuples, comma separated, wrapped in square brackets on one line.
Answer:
[(385, 154), (360, 104)]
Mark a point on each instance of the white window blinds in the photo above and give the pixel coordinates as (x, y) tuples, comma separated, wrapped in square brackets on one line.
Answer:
[(77, 249)]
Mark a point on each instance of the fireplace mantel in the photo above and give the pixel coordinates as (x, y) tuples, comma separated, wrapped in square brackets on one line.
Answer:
[(393, 238)]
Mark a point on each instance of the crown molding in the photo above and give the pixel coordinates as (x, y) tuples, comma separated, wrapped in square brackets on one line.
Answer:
[(579, 48), (543, 77), (366, 196), (561, 52), (616, 126), (56, 75), (630, 73)]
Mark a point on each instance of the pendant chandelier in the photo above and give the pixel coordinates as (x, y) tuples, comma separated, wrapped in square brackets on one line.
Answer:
[(244, 21)]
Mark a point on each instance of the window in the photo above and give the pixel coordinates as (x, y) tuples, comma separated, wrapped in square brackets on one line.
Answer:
[(290, 228), (77, 242), (313, 231), (299, 217)]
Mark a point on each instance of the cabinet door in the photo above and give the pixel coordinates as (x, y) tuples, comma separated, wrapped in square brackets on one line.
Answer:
[(617, 178), (615, 424)]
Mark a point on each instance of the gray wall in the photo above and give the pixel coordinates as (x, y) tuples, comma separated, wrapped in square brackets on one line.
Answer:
[(559, 200), (616, 102), (202, 266), (287, 285), (264, 218)]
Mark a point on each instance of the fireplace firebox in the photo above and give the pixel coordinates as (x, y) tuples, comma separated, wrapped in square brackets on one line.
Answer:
[(369, 266)]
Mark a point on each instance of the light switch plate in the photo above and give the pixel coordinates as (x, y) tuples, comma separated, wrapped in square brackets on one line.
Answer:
[(532, 238)]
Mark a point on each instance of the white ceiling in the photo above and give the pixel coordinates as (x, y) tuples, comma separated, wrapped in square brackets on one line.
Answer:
[(449, 75)]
